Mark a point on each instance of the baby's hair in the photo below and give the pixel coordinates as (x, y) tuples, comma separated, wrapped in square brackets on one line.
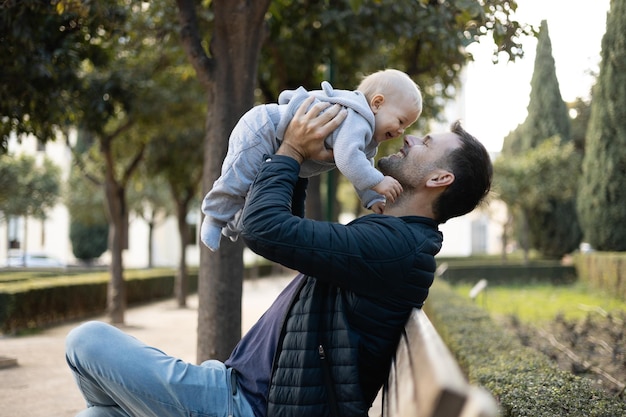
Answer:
[(390, 82)]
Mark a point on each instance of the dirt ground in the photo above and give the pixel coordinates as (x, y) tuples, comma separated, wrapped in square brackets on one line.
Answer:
[(594, 347)]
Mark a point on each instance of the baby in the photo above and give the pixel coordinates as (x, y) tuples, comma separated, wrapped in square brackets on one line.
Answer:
[(383, 106)]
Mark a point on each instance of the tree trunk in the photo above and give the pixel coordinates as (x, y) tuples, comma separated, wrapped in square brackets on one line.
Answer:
[(524, 238), (181, 284), (7, 236), (219, 290), (314, 199), (25, 243), (506, 230), (116, 294), (151, 226), (117, 212), (229, 74)]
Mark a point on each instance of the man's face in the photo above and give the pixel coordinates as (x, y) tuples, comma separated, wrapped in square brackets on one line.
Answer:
[(419, 157)]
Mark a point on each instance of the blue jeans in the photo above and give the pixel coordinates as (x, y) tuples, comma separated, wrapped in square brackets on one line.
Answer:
[(120, 377)]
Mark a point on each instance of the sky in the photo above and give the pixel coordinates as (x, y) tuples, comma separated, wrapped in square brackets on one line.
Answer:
[(496, 96)]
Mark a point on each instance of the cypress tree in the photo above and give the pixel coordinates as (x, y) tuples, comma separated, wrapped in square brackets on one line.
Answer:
[(547, 112), (512, 143), (553, 226), (602, 196)]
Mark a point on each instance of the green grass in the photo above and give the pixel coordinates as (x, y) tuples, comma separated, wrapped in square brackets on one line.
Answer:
[(543, 302)]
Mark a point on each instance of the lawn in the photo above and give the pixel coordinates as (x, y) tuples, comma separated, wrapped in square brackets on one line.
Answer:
[(543, 302)]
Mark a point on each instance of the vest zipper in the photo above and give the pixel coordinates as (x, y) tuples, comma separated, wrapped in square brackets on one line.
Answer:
[(321, 352), (328, 381)]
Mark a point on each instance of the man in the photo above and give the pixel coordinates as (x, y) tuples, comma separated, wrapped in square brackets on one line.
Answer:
[(324, 347)]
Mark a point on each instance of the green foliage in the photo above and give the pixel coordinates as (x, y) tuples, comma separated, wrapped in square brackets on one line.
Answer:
[(513, 142), (572, 301), (508, 273), (88, 221), (8, 179), (546, 173), (554, 231), (148, 93), (341, 41), (523, 381), (547, 112), (579, 122), (89, 241), (537, 176), (552, 221), (44, 46), (175, 153), (84, 198), (603, 271), (602, 198), (35, 187), (41, 301)]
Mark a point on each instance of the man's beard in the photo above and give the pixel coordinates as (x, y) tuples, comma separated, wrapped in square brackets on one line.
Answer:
[(408, 177), (389, 165), (392, 166)]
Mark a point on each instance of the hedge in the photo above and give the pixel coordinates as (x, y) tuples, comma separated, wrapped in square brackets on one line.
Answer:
[(41, 301), (523, 380), (534, 272), (605, 271)]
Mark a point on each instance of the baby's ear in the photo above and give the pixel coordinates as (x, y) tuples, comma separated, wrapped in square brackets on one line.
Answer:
[(376, 102)]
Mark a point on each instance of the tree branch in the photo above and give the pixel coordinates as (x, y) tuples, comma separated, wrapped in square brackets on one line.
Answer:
[(192, 42), (133, 164), (576, 359)]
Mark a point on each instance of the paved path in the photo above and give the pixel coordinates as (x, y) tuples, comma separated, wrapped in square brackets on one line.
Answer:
[(41, 385)]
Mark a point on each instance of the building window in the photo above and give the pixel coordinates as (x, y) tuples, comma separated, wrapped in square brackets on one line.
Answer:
[(14, 228), (479, 236)]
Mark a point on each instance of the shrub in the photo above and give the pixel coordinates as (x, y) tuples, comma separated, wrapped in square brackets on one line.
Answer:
[(524, 381), (88, 241), (41, 301)]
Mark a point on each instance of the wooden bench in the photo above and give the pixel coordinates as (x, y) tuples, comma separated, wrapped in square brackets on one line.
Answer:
[(426, 381)]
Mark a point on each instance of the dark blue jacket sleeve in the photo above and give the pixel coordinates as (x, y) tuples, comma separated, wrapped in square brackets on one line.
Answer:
[(362, 256)]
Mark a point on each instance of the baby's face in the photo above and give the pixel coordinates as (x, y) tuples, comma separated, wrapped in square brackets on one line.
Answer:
[(392, 117)]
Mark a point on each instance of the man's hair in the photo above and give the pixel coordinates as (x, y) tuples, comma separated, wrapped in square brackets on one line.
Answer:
[(471, 165)]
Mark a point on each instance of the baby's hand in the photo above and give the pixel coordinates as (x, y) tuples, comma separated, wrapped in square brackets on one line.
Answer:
[(389, 187), (378, 207)]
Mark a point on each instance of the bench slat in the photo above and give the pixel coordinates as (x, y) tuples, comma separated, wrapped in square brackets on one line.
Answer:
[(480, 404), (425, 380)]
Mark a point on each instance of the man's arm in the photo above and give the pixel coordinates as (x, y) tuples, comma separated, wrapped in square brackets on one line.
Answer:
[(347, 255), (356, 256)]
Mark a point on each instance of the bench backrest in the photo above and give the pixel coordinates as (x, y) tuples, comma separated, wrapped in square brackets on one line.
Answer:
[(426, 381)]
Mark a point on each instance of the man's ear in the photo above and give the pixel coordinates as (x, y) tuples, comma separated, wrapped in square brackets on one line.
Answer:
[(440, 178)]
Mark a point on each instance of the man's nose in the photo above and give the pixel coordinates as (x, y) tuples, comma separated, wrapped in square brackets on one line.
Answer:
[(411, 140)]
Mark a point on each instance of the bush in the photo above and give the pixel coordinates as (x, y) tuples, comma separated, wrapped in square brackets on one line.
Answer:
[(524, 381), (88, 241), (605, 271), (548, 272), (42, 301)]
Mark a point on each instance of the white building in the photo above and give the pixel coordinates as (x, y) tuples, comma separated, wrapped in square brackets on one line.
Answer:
[(51, 237)]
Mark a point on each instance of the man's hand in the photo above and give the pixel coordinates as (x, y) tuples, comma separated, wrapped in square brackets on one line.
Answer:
[(304, 137)]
